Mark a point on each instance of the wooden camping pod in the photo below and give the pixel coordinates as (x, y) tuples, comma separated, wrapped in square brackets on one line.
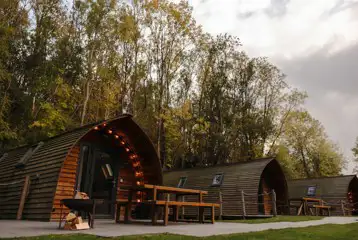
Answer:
[(253, 177), (333, 190), (54, 167)]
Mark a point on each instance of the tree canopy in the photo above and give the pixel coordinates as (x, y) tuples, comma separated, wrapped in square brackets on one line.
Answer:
[(201, 98)]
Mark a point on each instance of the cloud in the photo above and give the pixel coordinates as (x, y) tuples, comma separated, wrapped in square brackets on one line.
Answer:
[(331, 81), (277, 8), (342, 5), (315, 43)]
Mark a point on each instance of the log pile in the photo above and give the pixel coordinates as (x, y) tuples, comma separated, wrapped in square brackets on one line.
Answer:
[(73, 222)]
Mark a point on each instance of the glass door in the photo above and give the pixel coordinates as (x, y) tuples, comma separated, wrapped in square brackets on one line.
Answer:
[(103, 186)]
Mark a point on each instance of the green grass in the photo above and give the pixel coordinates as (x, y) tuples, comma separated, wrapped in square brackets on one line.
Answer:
[(277, 219), (322, 232)]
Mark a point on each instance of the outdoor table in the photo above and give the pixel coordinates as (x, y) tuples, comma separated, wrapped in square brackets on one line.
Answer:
[(153, 191), (304, 203)]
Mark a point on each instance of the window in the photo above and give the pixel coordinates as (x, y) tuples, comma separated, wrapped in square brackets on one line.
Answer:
[(182, 182), (22, 162), (311, 191), (3, 157), (217, 179), (107, 171)]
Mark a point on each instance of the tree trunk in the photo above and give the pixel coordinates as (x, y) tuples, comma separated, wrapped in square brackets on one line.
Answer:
[(85, 102)]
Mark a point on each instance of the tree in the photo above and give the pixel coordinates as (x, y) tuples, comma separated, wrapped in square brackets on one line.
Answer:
[(306, 149)]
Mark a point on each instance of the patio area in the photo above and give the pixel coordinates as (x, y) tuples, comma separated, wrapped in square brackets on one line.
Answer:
[(108, 228)]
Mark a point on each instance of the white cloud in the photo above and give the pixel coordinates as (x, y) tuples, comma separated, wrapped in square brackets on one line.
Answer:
[(305, 26), (313, 41)]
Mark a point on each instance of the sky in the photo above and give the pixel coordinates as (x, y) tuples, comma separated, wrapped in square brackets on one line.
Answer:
[(314, 42)]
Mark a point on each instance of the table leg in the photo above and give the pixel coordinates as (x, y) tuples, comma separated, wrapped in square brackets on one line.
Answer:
[(175, 213), (118, 213), (212, 214), (201, 214), (154, 214), (93, 214), (128, 207), (166, 214)]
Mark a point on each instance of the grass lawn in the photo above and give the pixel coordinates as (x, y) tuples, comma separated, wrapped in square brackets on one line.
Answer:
[(322, 232), (278, 219)]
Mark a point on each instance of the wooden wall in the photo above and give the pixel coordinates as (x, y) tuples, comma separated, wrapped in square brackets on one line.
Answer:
[(331, 189), (43, 168), (66, 182), (52, 179), (127, 175), (237, 177)]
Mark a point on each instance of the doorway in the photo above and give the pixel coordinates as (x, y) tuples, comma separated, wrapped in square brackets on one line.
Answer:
[(97, 177)]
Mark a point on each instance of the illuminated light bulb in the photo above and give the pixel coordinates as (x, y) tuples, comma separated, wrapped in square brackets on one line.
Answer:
[(133, 156), (138, 200), (137, 174), (122, 142), (116, 136), (127, 149), (104, 124), (136, 164), (96, 128), (138, 183), (110, 131)]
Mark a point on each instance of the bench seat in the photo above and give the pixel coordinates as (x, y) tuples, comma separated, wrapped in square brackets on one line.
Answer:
[(322, 207), (192, 204), (167, 204)]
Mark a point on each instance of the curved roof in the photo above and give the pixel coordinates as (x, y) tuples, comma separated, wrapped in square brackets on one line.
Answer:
[(242, 176), (245, 174), (45, 164), (336, 186)]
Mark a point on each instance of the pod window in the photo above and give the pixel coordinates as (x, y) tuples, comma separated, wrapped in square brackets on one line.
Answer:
[(217, 179), (182, 182), (107, 171), (30, 152), (3, 157), (311, 191)]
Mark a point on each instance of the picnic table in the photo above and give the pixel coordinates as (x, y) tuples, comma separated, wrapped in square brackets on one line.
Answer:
[(304, 207), (154, 192)]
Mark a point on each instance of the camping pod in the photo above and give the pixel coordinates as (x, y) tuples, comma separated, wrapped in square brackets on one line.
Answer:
[(226, 184), (340, 192), (96, 159)]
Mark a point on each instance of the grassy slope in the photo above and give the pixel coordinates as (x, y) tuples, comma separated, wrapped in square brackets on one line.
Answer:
[(278, 219), (323, 232)]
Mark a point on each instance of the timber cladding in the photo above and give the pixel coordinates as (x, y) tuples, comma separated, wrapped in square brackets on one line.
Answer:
[(53, 169), (43, 168), (332, 190), (237, 177)]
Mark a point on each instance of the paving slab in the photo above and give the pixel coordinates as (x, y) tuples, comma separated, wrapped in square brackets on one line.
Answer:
[(107, 228)]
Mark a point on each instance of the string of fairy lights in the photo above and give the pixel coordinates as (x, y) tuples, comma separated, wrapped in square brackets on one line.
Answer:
[(133, 157)]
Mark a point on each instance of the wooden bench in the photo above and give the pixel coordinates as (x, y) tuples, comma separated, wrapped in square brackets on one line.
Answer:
[(322, 207), (176, 204), (167, 204)]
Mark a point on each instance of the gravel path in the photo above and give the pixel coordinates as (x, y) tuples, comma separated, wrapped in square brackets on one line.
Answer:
[(106, 228)]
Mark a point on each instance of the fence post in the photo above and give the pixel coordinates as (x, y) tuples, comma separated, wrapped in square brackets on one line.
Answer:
[(274, 209), (342, 206), (221, 205), (25, 190), (183, 209), (243, 204)]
